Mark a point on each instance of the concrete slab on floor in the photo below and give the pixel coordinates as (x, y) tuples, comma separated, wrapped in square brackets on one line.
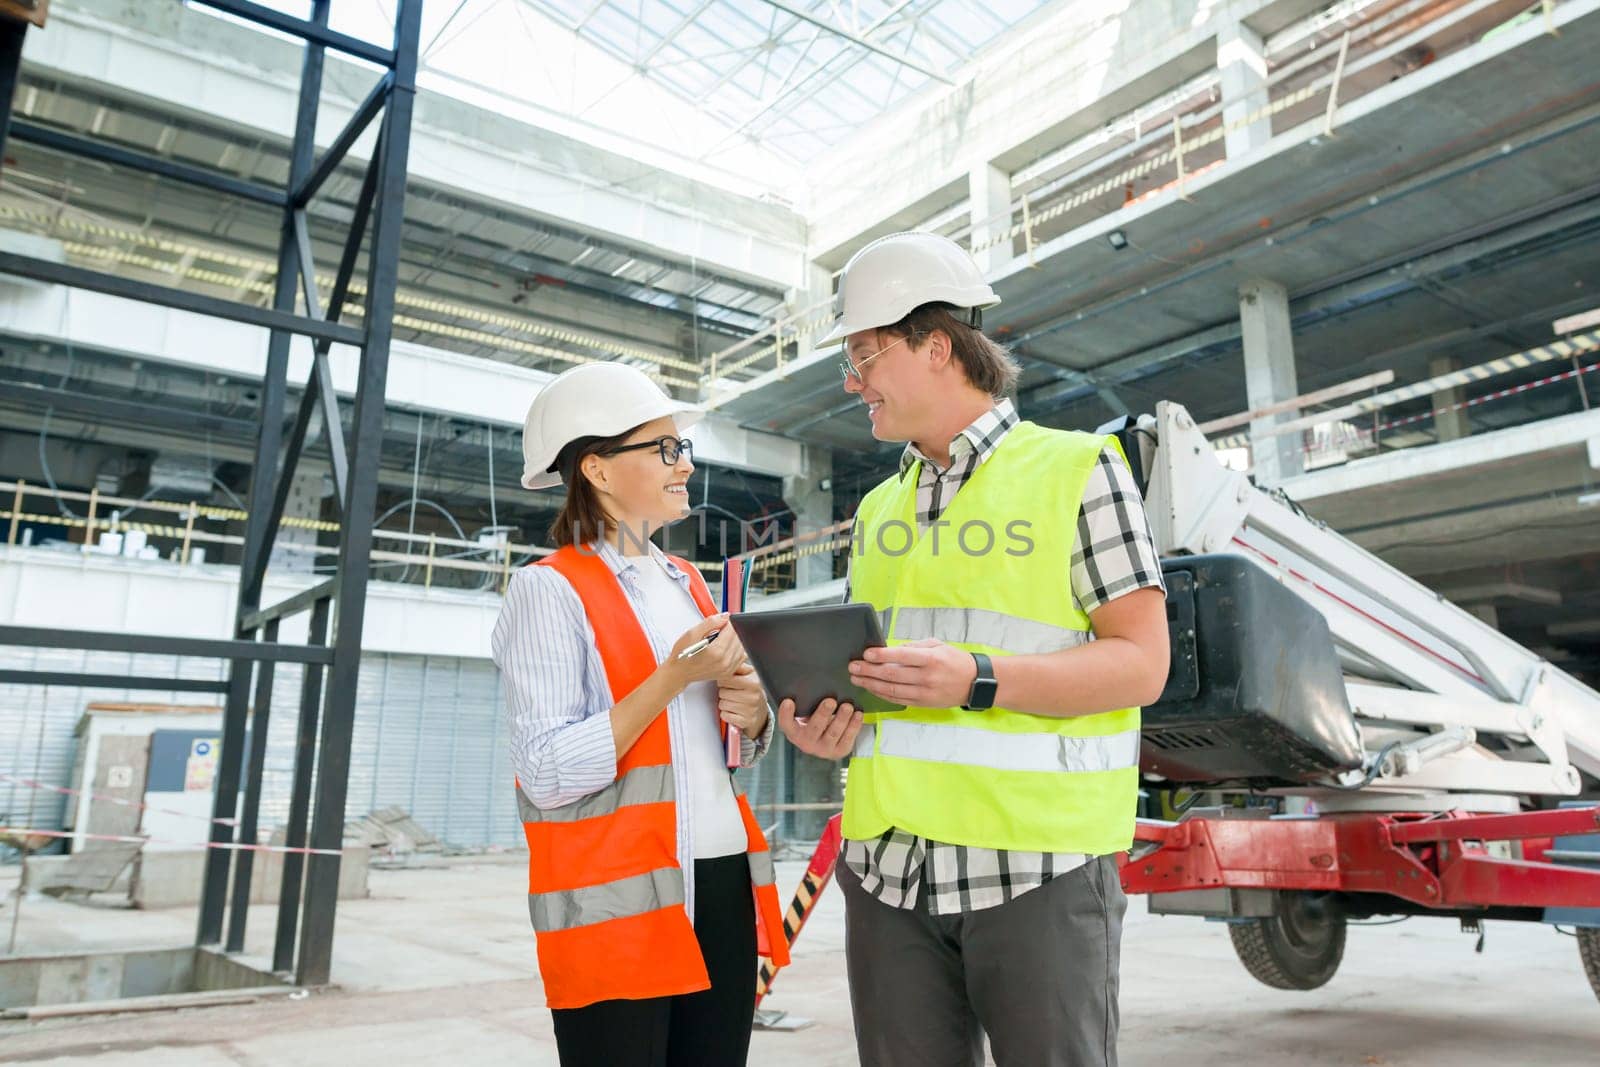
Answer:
[(438, 967)]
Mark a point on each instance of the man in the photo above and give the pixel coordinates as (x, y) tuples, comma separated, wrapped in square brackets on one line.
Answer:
[(1026, 623)]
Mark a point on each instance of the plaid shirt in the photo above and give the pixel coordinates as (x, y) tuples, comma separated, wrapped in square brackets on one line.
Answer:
[(1115, 554)]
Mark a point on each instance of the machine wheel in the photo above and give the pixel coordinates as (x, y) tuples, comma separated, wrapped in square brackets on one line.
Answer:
[(1589, 952), (1298, 948)]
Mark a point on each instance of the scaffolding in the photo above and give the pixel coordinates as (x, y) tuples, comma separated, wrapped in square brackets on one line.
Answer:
[(304, 941)]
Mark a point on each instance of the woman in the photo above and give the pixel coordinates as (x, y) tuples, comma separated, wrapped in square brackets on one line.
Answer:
[(650, 885)]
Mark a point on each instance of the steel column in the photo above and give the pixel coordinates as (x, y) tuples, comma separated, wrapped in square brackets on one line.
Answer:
[(305, 749), (333, 764), (260, 718), (263, 482), (224, 803)]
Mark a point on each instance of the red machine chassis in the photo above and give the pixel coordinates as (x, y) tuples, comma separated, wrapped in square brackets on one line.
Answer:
[(1435, 860)]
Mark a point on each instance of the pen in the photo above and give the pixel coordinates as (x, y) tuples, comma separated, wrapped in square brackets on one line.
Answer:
[(699, 646)]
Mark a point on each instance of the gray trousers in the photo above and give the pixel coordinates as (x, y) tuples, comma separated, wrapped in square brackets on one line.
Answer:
[(1039, 974)]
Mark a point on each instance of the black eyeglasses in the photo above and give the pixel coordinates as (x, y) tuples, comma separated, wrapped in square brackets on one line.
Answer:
[(670, 447)]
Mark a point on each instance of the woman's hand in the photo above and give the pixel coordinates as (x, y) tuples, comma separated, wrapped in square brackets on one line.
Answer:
[(742, 702), (717, 660), (829, 732)]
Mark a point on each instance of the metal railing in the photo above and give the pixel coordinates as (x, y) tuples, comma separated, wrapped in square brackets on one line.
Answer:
[(429, 553), (1169, 149)]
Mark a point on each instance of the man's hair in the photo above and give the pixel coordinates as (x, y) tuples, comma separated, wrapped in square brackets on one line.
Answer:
[(987, 365)]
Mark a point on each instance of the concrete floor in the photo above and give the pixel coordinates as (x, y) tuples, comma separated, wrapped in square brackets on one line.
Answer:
[(438, 967)]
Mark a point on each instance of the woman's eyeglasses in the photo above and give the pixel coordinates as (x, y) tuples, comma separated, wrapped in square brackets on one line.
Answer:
[(670, 448), (851, 368)]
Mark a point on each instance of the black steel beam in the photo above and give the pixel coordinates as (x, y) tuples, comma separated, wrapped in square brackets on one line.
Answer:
[(321, 369), (165, 295), (355, 549), (78, 679), (260, 719), (105, 152), (302, 194), (308, 31), (128, 412), (199, 647), (305, 750), (301, 601)]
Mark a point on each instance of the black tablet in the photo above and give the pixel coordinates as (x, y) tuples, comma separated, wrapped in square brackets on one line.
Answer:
[(804, 654)]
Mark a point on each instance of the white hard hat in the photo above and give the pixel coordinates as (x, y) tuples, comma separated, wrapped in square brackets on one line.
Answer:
[(591, 400), (894, 275)]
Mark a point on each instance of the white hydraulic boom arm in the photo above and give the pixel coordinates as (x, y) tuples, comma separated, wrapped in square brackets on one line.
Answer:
[(1458, 707)]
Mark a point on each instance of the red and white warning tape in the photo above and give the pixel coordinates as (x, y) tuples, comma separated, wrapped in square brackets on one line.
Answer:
[(22, 831), (121, 801), (1499, 395)]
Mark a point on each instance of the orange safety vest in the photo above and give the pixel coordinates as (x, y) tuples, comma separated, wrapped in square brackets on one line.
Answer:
[(605, 891)]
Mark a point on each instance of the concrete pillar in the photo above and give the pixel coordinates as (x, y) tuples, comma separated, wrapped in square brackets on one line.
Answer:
[(1242, 64), (990, 198), (1269, 375), (1449, 425), (305, 502), (813, 323), (810, 496)]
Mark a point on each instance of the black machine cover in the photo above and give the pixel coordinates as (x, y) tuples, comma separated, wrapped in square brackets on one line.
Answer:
[(1255, 689)]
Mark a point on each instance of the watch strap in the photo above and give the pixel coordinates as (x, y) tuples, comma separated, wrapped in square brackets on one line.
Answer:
[(982, 693)]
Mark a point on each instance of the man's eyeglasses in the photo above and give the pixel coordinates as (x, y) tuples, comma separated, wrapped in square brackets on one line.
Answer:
[(851, 368), (670, 448)]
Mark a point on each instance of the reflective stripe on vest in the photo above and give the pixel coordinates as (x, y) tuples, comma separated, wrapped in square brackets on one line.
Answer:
[(761, 870), (940, 743), (642, 785), (979, 626), (642, 893)]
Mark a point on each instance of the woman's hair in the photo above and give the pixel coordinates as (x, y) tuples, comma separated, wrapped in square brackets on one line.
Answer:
[(583, 518), (986, 364)]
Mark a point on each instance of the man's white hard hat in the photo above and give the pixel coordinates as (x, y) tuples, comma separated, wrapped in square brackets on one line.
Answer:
[(894, 275), (591, 400)]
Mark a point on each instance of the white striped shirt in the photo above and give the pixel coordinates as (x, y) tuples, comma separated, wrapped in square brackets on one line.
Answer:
[(559, 701)]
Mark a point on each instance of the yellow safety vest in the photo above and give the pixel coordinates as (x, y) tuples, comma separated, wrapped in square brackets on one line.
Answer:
[(994, 577)]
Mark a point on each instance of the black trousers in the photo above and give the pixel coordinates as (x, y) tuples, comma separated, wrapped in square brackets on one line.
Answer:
[(706, 1029)]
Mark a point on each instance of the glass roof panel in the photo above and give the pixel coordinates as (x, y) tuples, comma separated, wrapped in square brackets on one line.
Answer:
[(742, 93)]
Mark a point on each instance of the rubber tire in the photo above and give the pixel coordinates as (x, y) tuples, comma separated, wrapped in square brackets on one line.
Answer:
[(1589, 952), (1298, 948)]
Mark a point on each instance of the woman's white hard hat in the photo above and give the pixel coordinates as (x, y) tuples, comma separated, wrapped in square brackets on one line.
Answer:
[(894, 275), (591, 400)]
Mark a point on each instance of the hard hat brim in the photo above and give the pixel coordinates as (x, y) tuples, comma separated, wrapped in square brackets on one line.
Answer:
[(683, 413)]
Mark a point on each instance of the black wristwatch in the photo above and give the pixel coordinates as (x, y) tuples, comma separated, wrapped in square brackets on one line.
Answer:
[(983, 686)]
